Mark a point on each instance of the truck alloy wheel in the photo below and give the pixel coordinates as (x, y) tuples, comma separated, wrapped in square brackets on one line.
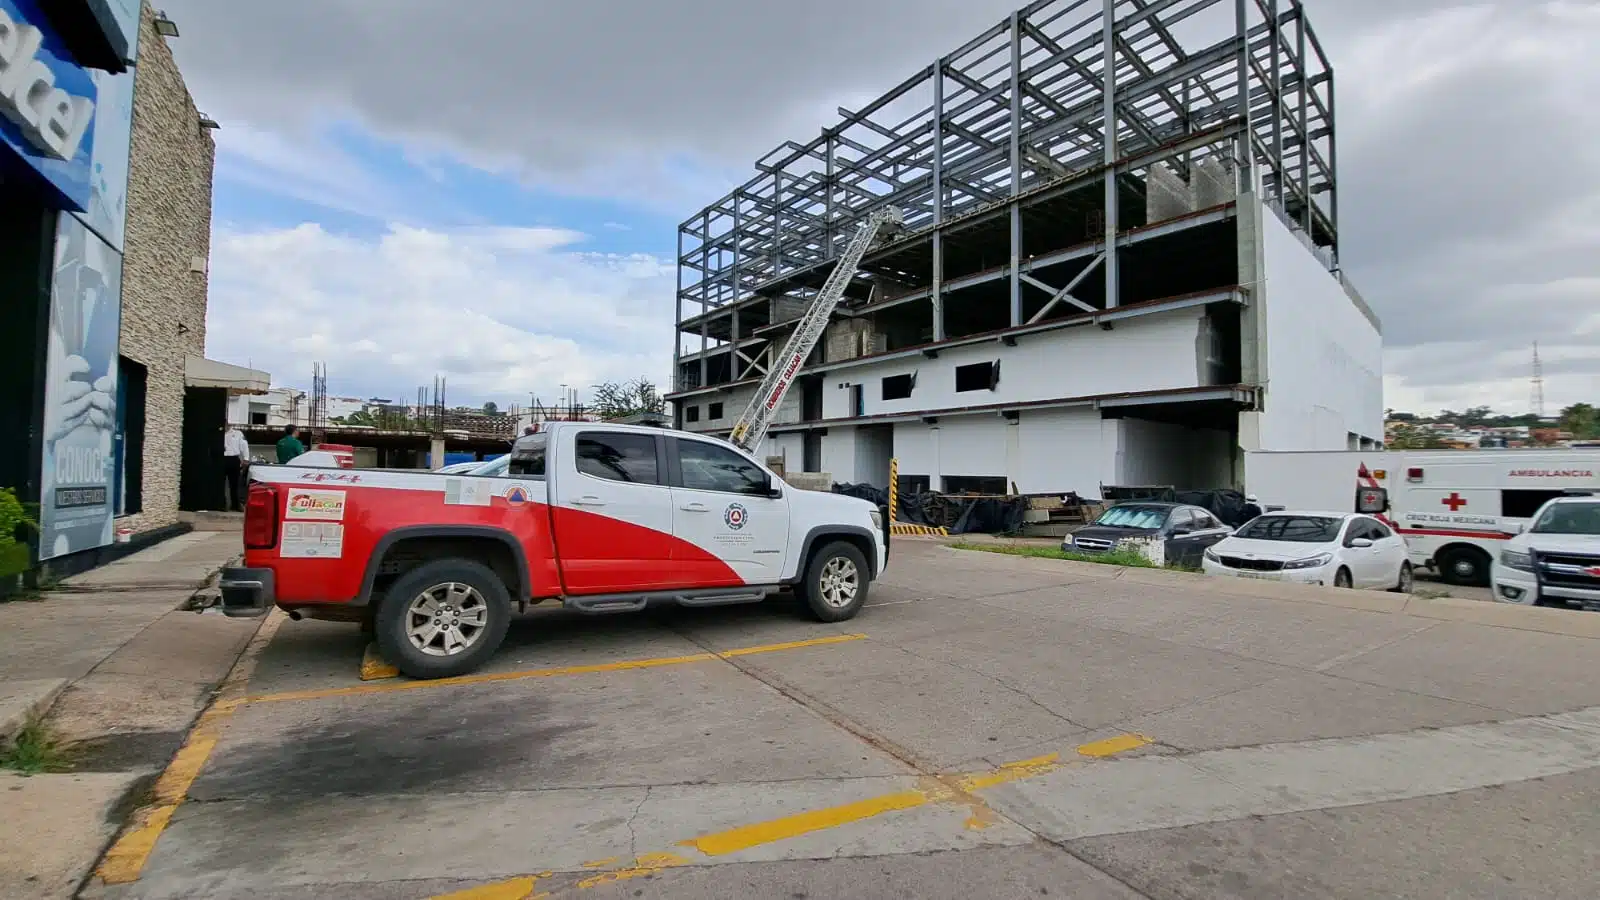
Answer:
[(835, 584), (446, 619), (443, 618)]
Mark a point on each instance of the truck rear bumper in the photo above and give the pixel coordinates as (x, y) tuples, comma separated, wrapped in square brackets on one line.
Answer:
[(247, 593)]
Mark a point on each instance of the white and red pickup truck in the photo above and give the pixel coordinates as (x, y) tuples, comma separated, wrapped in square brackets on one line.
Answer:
[(603, 518)]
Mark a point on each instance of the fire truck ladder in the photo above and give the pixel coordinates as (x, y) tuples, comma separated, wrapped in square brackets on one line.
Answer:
[(752, 424)]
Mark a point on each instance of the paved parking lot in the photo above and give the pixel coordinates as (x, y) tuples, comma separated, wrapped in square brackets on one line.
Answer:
[(990, 727)]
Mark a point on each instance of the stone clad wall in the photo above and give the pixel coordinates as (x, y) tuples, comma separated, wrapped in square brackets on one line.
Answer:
[(168, 237)]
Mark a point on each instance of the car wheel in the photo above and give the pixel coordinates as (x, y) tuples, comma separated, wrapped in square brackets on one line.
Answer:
[(835, 586), (1341, 578), (1406, 582), (1466, 566), (443, 618)]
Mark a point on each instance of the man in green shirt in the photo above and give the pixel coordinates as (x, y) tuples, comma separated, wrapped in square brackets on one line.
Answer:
[(289, 445)]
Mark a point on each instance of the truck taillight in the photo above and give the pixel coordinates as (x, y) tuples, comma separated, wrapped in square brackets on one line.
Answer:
[(261, 517)]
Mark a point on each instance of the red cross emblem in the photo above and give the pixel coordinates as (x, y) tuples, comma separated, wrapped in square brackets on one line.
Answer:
[(1454, 501)]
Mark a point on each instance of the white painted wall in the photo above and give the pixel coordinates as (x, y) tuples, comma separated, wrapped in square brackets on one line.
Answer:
[(839, 454), (1046, 451), (789, 446), (1161, 453), (874, 447), (1324, 359), (1072, 362), (1061, 450)]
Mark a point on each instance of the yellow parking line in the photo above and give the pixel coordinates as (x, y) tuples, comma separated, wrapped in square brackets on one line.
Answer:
[(930, 789), (492, 677), (126, 859), (1122, 743)]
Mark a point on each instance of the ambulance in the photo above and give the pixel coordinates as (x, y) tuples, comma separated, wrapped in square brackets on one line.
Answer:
[(1455, 508)]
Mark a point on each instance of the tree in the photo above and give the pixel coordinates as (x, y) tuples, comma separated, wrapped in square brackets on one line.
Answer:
[(490, 409), (1582, 420), (1408, 437), (616, 400)]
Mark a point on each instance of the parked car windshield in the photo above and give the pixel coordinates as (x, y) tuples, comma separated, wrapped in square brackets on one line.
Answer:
[(1569, 518), (1134, 517), (1300, 529), (496, 466)]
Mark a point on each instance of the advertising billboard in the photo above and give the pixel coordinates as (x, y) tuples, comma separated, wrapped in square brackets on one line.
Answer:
[(75, 497), (47, 103), (107, 212)]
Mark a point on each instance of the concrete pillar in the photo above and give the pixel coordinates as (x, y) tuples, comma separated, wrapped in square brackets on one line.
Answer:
[(436, 453)]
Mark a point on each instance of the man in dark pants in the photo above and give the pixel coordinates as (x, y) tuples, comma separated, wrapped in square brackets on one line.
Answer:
[(235, 456)]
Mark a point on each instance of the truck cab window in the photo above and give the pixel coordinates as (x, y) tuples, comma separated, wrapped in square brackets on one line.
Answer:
[(618, 457), (707, 467)]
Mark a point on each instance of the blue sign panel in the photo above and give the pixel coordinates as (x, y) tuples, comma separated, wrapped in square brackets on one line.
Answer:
[(76, 503), (47, 103)]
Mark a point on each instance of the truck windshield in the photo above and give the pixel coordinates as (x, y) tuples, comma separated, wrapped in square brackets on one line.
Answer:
[(1133, 517), (1300, 529), (1569, 518)]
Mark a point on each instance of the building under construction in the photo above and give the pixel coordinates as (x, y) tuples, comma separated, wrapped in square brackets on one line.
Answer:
[(1069, 304)]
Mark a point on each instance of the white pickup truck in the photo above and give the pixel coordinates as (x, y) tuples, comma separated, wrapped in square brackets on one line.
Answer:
[(1556, 560), (597, 517)]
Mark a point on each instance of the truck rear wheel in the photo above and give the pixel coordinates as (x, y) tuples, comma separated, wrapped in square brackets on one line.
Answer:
[(443, 618), (835, 584)]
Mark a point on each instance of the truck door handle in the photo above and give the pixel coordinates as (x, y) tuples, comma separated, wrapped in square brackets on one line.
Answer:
[(695, 507), (588, 500)]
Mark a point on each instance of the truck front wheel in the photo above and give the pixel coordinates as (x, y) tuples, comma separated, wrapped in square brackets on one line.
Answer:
[(835, 584), (443, 618)]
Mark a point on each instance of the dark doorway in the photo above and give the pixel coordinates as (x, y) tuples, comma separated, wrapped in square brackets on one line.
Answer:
[(200, 478), (27, 241), (810, 398), (132, 379), (811, 452)]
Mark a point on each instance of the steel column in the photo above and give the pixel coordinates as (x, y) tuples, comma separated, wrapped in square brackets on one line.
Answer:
[(1109, 74), (1016, 167)]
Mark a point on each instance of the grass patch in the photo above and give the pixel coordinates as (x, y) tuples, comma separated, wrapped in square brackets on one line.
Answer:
[(1423, 593), (35, 750), (1113, 558)]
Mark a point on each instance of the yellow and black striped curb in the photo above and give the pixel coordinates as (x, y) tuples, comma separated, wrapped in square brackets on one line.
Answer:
[(927, 530)]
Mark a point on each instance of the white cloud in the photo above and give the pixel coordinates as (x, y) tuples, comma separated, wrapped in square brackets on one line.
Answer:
[(501, 313)]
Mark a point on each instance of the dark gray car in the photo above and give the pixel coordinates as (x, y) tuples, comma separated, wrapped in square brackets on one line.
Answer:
[(1187, 530)]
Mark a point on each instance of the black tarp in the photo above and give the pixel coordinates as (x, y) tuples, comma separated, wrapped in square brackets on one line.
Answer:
[(1227, 505), (986, 515)]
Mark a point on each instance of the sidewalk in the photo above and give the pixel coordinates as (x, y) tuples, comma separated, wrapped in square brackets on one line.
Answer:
[(119, 669)]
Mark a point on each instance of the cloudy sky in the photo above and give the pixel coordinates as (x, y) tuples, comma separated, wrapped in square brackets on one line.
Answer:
[(406, 188)]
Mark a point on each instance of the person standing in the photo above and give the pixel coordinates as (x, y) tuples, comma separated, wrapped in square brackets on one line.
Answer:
[(235, 456), (1252, 508), (289, 445)]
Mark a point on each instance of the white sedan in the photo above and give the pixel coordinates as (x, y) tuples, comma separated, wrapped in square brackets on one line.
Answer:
[(1341, 549)]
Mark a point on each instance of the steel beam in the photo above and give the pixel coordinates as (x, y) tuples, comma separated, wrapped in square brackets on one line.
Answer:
[(1109, 118)]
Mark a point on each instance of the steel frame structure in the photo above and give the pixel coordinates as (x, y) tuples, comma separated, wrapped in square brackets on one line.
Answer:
[(1015, 117)]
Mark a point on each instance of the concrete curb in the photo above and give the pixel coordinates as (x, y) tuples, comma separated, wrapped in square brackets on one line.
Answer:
[(1572, 623), (21, 701)]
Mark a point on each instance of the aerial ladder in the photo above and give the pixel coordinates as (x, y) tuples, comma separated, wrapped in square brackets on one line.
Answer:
[(752, 424)]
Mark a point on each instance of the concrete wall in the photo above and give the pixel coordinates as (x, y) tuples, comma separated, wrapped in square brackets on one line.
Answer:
[(169, 228), (874, 447), (1324, 356), (1043, 451), (1161, 453), (1068, 363)]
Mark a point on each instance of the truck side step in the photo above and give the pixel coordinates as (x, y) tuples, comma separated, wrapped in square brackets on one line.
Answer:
[(621, 603)]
